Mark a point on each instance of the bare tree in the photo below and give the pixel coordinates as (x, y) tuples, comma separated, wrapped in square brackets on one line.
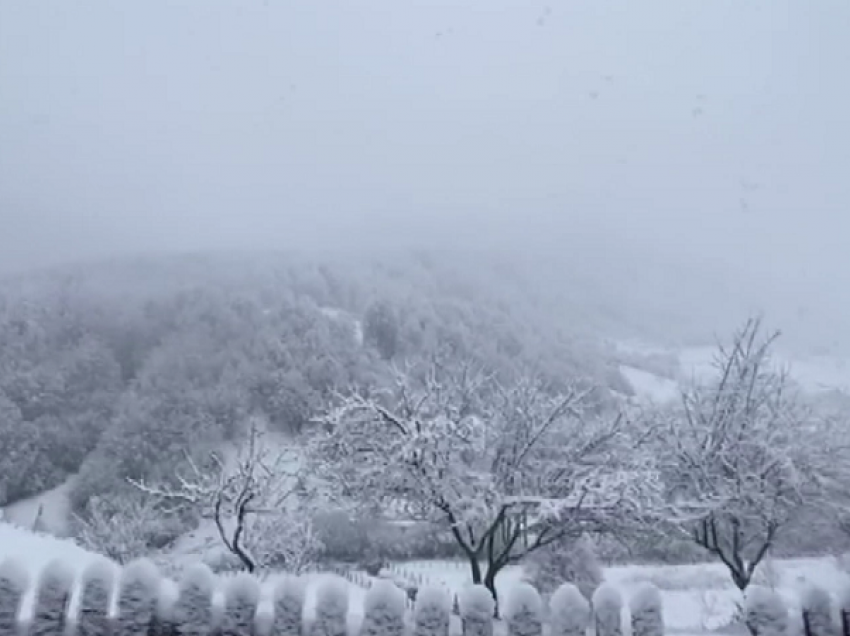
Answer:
[(120, 528), (246, 498), (742, 455), (508, 470)]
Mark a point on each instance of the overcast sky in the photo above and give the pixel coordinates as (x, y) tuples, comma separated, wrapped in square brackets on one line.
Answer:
[(712, 128)]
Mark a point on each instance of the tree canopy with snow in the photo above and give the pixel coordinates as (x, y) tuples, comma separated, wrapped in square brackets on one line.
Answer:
[(256, 500), (744, 455), (507, 468)]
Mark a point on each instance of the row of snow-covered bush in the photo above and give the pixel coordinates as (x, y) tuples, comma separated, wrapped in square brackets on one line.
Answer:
[(136, 600)]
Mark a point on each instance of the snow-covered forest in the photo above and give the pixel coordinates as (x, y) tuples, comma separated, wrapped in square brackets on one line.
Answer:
[(443, 294), (272, 414)]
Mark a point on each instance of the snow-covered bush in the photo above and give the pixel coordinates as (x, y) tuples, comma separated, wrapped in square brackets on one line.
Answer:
[(477, 607), (284, 541), (14, 582), (166, 604), (51, 599), (569, 611), (137, 597), (240, 605), (523, 611), (289, 596), (344, 537), (764, 612), (432, 613), (331, 608), (383, 610), (607, 611), (192, 614), (372, 561), (646, 611), (571, 562), (124, 527), (93, 612), (817, 612)]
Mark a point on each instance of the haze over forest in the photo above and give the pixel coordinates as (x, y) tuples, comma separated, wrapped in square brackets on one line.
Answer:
[(290, 286), (654, 147)]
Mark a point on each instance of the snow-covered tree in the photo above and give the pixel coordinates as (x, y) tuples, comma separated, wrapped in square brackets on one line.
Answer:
[(507, 469), (572, 561), (254, 500), (121, 528), (743, 456), (833, 411)]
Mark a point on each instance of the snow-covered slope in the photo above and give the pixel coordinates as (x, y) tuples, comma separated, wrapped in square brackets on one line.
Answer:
[(39, 549), (650, 386), (813, 374), (51, 508), (35, 551)]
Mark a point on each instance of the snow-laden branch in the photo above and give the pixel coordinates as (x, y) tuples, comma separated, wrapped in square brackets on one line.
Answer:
[(505, 468), (244, 496), (742, 455)]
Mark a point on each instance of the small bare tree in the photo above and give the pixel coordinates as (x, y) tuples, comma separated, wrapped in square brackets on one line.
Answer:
[(742, 456), (119, 528), (250, 499)]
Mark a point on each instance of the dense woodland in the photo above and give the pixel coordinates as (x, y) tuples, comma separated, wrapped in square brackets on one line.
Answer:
[(114, 369), (117, 372)]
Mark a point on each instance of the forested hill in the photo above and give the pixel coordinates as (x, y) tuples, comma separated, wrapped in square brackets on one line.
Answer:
[(115, 369)]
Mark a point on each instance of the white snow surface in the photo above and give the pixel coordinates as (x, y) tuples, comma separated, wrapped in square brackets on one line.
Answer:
[(813, 373), (649, 386), (696, 598), (55, 507)]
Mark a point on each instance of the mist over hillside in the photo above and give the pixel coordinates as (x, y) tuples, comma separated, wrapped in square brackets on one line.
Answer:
[(491, 280), (673, 183), (600, 289)]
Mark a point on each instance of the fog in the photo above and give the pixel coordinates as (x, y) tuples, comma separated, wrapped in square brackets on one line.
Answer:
[(713, 130)]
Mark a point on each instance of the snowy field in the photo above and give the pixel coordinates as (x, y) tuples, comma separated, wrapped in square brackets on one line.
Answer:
[(698, 599), (814, 374)]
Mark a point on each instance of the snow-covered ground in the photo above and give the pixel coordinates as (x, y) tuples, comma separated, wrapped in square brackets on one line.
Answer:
[(52, 508), (35, 551), (697, 598), (650, 386), (814, 374)]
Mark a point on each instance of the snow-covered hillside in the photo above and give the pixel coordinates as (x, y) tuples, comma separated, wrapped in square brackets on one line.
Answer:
[(814, 374), (50, 510)]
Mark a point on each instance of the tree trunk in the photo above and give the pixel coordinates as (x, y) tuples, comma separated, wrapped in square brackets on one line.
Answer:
[(490, 584), (475, 567), (246, 561), (741, 581)]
